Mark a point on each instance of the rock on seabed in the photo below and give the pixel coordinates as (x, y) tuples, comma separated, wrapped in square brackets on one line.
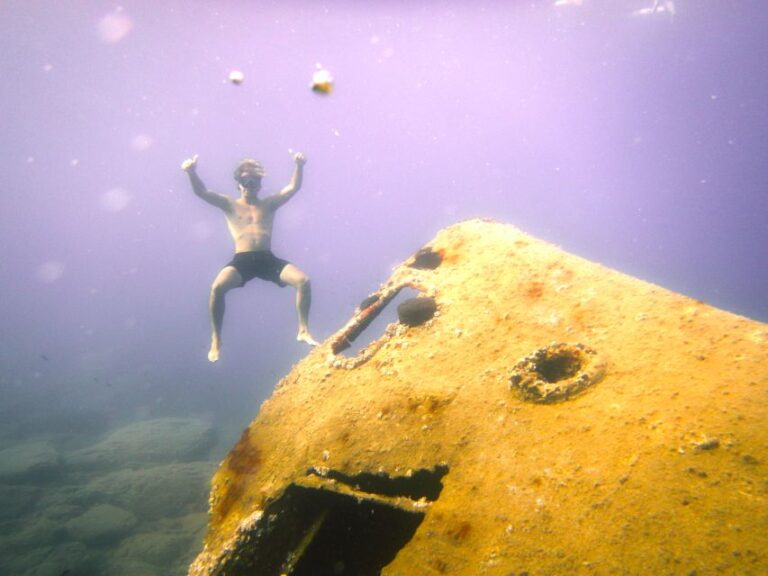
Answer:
[(29, 462), (419, 455), (161, 440)]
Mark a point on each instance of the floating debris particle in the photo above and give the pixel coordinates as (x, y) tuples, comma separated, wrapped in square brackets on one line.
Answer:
[(236, 77), (50, 271), (115, 26), (142, 142), (322, 81), (115, 200)]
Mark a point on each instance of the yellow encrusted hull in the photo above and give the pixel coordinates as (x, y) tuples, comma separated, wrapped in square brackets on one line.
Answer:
[(651, 457)]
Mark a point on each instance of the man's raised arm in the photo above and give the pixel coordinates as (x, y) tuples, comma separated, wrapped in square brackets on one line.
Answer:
[(295, 184), (190, 167)]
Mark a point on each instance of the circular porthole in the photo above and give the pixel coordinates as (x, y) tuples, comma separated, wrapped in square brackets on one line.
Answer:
[(557, 372), (426, 259), (416, 311)]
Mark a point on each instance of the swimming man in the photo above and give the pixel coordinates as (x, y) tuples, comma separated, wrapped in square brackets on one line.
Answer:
[(250, 220)]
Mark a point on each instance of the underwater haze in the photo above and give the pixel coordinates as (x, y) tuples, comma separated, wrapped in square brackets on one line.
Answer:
[(632, 136)]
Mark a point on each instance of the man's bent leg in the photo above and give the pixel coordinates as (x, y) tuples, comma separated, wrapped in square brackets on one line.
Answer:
[(296, 278), (227, 279)]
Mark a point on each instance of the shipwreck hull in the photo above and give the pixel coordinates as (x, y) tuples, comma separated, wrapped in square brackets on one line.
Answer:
[(550, 416)]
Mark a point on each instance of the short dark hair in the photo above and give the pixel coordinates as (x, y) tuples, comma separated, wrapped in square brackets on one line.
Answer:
[(247, 163)]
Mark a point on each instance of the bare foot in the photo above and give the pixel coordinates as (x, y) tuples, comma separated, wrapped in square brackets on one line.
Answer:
[(305, 336), (213, 353)]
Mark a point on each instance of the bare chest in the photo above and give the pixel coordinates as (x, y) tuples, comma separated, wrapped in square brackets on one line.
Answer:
[(244, 216)]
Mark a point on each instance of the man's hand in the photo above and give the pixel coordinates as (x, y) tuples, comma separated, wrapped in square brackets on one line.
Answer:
[(190, 164), (299, 158)]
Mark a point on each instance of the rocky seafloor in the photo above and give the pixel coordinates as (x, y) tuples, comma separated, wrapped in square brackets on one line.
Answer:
[(129, 502)]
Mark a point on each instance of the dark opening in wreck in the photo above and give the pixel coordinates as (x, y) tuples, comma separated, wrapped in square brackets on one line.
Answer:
[(331, 523)]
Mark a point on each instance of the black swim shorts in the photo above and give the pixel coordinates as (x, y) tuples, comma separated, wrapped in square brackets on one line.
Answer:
[(260, 264)]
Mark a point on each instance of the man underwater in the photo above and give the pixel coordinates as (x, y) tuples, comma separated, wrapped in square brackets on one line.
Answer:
[(250, 219)]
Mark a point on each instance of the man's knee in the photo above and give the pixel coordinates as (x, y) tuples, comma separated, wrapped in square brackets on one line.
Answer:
[(227, 279), (219, 289), (295, 278)]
